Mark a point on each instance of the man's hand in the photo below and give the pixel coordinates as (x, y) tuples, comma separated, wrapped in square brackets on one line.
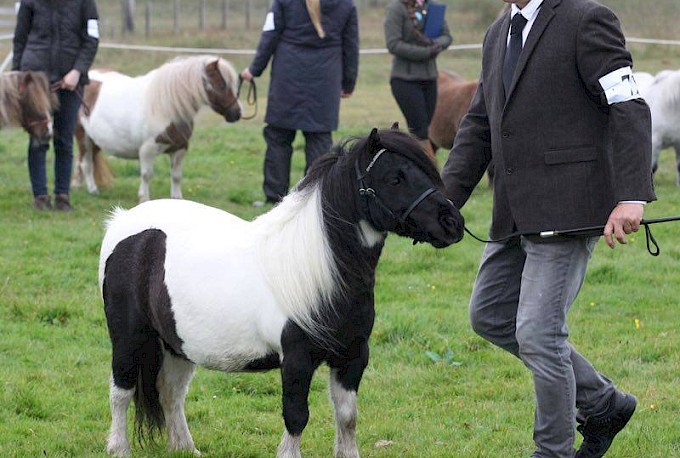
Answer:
[(624, 219)]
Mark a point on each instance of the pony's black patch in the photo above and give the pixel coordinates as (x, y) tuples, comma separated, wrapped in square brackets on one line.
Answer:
[(271, 361), (135, 271)]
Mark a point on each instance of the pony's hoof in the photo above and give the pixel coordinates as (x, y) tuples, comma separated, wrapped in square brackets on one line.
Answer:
[(121, 450)]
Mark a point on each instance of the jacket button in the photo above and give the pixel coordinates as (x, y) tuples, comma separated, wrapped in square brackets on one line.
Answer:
[(509, 170), (506, 134)]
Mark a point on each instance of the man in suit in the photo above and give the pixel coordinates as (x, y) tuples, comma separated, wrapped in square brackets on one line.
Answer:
[(558, 112)]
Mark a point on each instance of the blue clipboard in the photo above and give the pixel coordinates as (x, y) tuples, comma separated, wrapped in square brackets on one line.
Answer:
[(435, 20)]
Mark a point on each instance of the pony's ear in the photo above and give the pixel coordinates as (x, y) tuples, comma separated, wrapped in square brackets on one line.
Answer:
[(374, 141), (395, 125), (25, 80), (213, 66)]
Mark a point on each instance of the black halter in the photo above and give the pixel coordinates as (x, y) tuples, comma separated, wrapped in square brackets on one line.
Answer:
[(369, 195)]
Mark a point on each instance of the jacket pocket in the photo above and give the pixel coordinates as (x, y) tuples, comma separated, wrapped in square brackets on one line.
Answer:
[(568, 155)]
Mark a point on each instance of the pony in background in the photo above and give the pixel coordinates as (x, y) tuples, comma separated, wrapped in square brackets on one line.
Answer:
[(142, 117), (26, 101), (454, 95), (185, 285), (663, 97)]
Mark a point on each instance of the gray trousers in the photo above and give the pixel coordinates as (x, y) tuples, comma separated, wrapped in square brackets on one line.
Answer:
[(520, 302)]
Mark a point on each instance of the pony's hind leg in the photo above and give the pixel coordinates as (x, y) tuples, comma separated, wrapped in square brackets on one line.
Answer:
[(118, 443), (176, 181), (173, 385)]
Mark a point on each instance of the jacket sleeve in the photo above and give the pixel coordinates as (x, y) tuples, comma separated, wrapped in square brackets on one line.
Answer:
[(471, 152), (90, 37), (350, 52), (24, 19), (274, 26), (394, 40), (601, 51)]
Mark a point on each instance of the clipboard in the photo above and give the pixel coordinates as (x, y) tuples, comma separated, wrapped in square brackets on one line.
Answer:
[(435, 20)]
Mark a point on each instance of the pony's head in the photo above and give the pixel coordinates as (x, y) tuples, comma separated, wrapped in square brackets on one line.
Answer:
[(396, 187), (28, 102), (220, 83)]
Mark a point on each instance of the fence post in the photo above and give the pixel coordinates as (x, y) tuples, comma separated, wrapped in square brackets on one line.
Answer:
[(225, 9), (147, 19), (201, 15), (247, 14), (175, 27)]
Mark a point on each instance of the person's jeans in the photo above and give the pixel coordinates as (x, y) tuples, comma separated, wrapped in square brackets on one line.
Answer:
[(520, 301), (64, 127)]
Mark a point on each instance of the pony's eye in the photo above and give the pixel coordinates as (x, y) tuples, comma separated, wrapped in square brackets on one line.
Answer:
[(395, 180)]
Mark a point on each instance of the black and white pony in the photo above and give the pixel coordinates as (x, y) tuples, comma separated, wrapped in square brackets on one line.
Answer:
[(185, 284)]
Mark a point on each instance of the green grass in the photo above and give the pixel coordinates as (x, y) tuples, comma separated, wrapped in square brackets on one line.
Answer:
[(55, 352)]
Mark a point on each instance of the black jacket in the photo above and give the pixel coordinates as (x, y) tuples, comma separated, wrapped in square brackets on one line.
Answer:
[(56, 36), (308, 72)]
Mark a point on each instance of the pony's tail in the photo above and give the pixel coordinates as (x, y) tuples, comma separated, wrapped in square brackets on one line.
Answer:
[(149, 418), (314, 11), (103, 175)]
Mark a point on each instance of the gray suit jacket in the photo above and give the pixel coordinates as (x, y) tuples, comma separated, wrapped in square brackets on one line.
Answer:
[(564, 157)]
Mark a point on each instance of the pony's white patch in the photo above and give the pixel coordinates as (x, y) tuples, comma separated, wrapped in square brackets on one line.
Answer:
[(118, 443), (619, 86), (289, 446), (93, 28), (368, 235), (269, 23), (296, 258), (345, 405)]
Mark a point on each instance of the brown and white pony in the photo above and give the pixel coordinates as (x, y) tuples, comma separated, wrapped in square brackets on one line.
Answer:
[(142, 117), (26, 101)]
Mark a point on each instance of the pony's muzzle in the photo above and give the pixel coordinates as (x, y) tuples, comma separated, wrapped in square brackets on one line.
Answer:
[(453, 223), (233, 113)]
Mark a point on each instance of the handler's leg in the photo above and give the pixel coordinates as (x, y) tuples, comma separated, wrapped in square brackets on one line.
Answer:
[(494, 308), (277, 161), (316, 145)]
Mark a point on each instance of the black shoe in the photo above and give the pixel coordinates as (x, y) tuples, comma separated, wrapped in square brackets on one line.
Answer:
[(599, 430), (62, 203), (42, 203)]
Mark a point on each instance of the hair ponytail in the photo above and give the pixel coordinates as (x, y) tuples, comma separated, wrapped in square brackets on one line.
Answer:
[(314, 11)]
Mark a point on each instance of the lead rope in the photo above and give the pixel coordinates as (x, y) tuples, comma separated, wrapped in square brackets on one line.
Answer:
[(251, 96), (652, 244)]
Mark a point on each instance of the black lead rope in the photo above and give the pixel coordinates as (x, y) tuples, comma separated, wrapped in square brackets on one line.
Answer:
[(251, 96), (652, 245)]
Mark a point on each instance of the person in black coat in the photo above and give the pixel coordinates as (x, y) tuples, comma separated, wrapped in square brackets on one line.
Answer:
[(60, 38), (314, 49)]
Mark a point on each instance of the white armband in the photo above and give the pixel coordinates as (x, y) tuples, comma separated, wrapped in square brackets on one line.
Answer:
[(93, 28), (620, 86), (269, 23)]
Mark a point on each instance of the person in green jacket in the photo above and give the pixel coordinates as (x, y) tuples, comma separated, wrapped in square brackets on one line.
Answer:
[(413, 77)]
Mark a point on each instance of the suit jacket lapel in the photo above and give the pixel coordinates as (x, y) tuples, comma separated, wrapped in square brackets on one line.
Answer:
[(545, 15), (499, 57)]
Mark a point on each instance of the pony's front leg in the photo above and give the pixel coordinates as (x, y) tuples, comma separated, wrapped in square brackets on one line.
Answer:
[(297, 369), (176, 182), (147, 153), (343, 387)]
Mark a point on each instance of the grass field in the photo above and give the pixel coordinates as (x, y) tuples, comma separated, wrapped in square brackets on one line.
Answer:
[(475, 403)]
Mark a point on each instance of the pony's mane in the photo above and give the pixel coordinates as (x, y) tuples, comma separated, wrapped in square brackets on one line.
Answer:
[(176, 91), (298, 231), (39, 100)]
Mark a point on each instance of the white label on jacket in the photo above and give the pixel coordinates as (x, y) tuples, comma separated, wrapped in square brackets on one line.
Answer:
[(620, 86), (268, 23), (93, 28)]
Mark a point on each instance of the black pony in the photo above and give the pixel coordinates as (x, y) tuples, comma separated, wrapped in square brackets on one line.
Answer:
[(185, 284)]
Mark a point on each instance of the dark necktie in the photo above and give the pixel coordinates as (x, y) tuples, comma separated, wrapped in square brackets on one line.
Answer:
[(513, 51)]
